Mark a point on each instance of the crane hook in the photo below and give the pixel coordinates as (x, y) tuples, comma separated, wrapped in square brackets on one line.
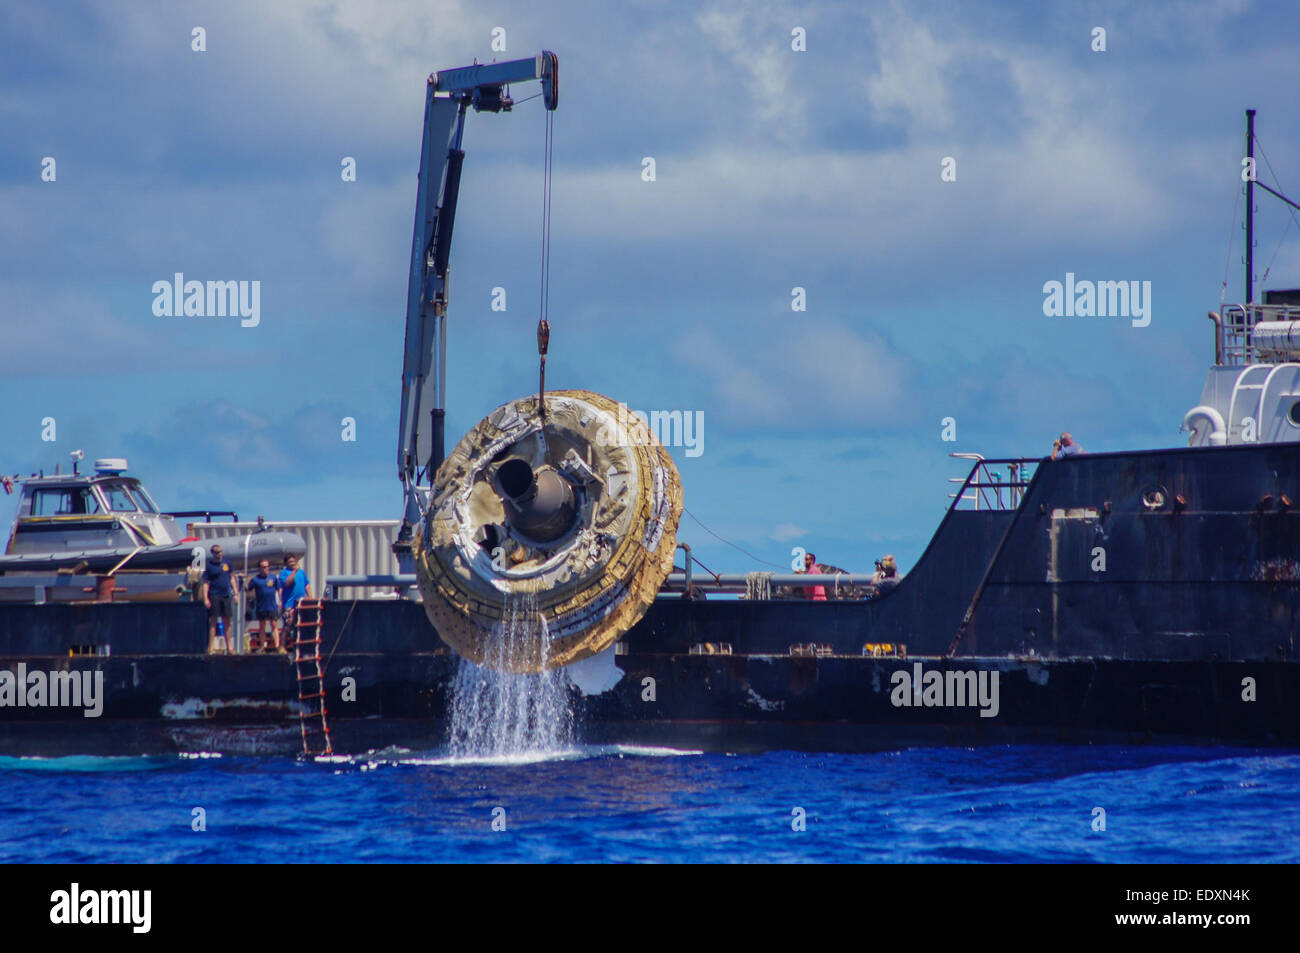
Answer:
[(543, 342)]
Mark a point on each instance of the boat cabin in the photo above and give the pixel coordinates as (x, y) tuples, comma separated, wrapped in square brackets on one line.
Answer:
[(103, 510)]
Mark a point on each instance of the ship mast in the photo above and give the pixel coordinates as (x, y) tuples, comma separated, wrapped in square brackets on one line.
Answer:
[(1250, 206)]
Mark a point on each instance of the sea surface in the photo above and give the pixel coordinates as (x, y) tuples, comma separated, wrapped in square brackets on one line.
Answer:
[(1001, 804)]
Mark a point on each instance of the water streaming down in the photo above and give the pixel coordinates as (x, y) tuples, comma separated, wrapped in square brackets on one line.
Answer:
[(499, 714)]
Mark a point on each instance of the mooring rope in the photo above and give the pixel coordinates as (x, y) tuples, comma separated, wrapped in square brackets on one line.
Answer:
[(758, 585)]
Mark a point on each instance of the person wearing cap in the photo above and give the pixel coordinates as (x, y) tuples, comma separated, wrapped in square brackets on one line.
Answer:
[(1064, 446), (218, 597)]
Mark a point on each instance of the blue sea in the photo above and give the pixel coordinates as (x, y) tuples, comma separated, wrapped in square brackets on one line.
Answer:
[(1003, 804)]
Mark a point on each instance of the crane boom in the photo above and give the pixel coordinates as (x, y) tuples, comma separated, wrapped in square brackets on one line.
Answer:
[(449, 94)]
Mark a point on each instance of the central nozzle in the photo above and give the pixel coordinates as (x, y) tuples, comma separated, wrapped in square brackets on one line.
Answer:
[(538, 503)]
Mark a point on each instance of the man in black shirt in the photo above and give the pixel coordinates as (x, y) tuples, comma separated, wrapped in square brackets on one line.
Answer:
[(218, 596)]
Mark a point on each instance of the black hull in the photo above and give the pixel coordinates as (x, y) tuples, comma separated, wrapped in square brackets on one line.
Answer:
[(1188, 635), (168, 704)]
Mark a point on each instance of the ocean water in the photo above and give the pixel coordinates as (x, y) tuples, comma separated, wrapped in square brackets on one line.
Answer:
[(1002, 804)]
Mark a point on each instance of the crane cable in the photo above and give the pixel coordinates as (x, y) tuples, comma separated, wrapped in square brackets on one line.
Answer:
[(1290, 220), (1227, 263), (728, 542), (544, 297)]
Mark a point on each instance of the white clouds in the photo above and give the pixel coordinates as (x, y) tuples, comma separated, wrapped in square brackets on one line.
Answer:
[(290, 235), (69, 333), (349, 75), (809, 375), (358, 232), (755, 39), (788, 531), (1081, 187), (1186, 22), (395, 35), (297, 442), (910, 76)]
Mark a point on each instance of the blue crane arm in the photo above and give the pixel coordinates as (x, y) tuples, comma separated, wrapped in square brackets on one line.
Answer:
[(448, 95)]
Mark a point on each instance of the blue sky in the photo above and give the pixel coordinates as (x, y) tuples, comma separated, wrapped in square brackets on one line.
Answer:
[(775, 169)]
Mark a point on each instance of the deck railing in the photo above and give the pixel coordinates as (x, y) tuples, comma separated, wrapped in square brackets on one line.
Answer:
[(986, 488), (1233, 344)]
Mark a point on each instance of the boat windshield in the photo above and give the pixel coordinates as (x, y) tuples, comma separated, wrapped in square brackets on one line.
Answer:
[(144, 499), (119, 499), (65, 501)]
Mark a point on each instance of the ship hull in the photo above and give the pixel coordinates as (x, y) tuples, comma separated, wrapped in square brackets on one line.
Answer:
[(166, 704)]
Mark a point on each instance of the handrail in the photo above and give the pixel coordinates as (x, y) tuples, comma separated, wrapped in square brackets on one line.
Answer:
[(206, 514), (1234, 342), (982, 478), (969, 614)]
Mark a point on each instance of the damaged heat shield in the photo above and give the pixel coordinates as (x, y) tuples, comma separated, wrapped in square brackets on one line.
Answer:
[(579, 514)]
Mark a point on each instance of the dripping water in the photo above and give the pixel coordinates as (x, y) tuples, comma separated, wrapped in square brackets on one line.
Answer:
[(501, 714)]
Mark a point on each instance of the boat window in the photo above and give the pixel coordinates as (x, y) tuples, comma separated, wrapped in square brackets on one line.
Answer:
[(119, 500), (65, 501), (143, 500)]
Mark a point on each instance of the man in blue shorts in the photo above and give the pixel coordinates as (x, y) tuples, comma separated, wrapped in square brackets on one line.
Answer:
[(266, 608)]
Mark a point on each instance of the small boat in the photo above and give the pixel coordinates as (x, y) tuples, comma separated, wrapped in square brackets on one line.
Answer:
[(100, 536)]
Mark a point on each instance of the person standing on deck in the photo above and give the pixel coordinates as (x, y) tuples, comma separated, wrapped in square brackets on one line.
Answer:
[(294, 585), (267, 607), (217, 597), (816, 593)]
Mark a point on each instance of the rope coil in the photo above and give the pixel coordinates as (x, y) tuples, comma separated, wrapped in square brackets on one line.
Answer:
[(758, 585)]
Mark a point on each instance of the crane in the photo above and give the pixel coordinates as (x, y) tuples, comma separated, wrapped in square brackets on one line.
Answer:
[(449, 95)]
